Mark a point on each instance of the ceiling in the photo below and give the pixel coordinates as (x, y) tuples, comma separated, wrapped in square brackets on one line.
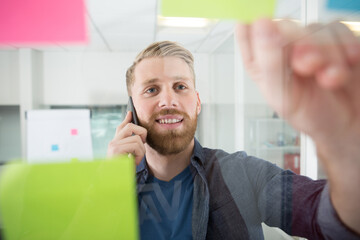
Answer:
[(128, 26)]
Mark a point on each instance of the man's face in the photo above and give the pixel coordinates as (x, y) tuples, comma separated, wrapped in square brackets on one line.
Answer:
[(166, 102)]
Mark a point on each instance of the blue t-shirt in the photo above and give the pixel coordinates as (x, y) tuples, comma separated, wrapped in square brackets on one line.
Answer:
[(165, 208)]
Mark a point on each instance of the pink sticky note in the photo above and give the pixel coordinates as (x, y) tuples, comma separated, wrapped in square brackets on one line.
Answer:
[(74, 132), (42, 21)]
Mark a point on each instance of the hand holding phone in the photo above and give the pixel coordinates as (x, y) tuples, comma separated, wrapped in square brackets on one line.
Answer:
[(129, 139), (130, 107)]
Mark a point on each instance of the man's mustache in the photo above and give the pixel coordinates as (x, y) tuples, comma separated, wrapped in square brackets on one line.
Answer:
[(169, 112), (162, 112)]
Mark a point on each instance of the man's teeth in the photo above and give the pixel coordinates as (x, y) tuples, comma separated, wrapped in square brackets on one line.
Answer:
[(167, 121)]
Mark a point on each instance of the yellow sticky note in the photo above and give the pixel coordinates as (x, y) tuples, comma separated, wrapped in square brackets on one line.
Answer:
[(243, 10), (77, 200)]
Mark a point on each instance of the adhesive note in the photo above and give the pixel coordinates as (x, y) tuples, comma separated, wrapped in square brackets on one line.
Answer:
[(243, 10), (74, 132), (42, 21), (351, 5), (77, 200), (54, 147)]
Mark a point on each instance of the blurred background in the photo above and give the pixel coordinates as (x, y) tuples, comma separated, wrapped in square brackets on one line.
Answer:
[(234, 115)]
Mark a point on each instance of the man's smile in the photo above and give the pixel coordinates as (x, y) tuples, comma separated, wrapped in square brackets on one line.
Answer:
[(170, 121)]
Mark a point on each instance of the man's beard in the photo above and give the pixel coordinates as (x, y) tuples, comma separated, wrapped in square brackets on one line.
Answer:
[(168, 142)]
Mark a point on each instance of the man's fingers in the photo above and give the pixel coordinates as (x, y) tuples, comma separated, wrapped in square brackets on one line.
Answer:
[(132, 129), (270, 55), (321, 54), (129, 139), (306, 57), (132, 144), (349, 42), (129, 148), (267, 47), (242, 32), (135, 139), (127, 129), (336, 71), (127, 120)]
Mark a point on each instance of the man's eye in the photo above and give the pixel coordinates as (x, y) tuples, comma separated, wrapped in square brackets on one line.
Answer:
[(180, 87), (151, 90)]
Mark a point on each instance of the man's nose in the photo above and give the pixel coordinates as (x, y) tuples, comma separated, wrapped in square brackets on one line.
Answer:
[(168, 99)]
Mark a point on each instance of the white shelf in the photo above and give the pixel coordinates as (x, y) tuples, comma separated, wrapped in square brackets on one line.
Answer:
[(272, 139)]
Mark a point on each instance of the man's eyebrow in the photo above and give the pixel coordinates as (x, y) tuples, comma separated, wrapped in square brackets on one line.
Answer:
[(154, 80), (150, 81)]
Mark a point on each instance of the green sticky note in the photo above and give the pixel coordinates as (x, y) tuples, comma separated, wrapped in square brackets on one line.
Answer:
[(243, 10), (77, 200)]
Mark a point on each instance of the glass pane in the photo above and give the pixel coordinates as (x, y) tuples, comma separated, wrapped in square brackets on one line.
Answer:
[(10, 139), (267, 136), (220, 109)]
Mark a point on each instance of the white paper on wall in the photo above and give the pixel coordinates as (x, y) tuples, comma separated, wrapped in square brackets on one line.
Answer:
[(58, 135)]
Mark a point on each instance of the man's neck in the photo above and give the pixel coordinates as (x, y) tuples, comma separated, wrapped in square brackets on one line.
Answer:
[(166, 167)]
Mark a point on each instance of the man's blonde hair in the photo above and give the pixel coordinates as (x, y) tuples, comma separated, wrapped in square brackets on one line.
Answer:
[(160, 49)]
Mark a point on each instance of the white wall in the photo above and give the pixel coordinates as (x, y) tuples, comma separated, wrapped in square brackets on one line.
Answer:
[(90, 78), (9, 78), (37, 79), (97, 78)]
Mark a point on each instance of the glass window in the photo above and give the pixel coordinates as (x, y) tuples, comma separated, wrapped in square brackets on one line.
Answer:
[(10, 138)]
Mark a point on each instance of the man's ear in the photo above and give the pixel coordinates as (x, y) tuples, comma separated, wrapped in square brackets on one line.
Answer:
[(198, 105)]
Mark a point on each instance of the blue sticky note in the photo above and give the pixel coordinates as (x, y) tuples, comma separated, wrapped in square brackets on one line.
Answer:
[(54, 147), (349, 5)]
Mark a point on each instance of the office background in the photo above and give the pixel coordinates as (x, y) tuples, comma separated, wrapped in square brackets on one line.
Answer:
[(234, 115)]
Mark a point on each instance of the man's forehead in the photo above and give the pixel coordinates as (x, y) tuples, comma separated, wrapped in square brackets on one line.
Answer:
[(151, 70)]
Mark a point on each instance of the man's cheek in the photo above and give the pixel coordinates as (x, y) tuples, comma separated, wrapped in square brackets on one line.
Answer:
[(142, 123), (143, 120)]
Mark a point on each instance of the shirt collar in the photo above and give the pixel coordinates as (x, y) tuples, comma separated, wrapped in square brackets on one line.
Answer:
[(197, 155), (142, 165)]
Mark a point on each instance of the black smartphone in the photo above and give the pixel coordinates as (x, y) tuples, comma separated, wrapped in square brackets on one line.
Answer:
[(130, 107)]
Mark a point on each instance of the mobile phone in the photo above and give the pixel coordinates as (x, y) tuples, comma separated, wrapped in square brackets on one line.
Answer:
[(130, 107)]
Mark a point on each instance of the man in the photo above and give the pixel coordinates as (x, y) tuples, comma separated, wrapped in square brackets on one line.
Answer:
[(187, 191)]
